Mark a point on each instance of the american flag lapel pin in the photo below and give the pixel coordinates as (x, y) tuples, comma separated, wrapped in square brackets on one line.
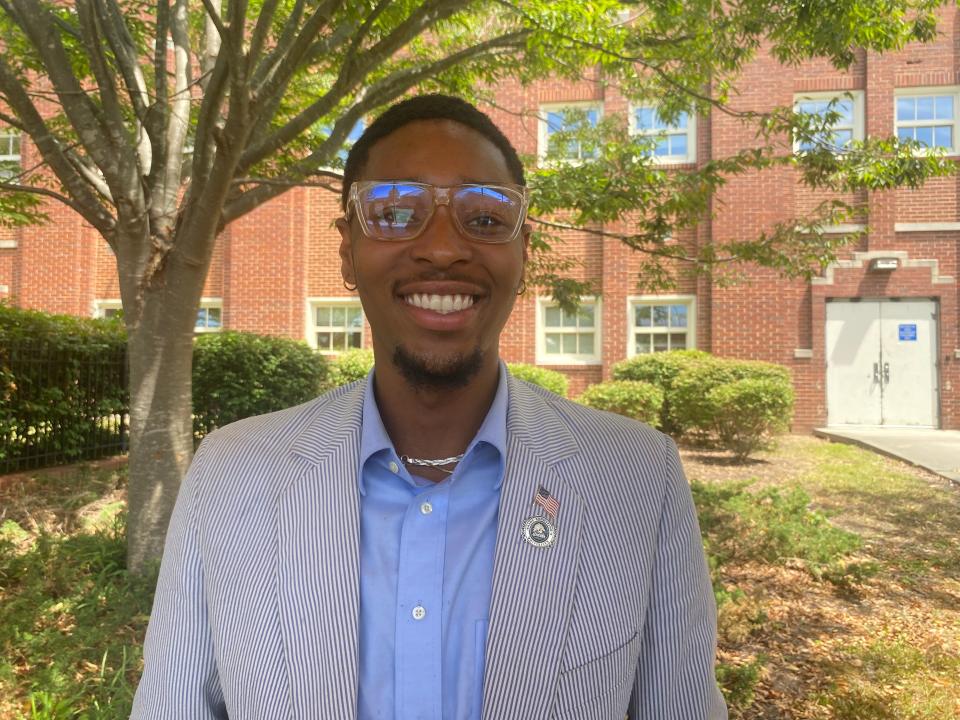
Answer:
[(538, 530)]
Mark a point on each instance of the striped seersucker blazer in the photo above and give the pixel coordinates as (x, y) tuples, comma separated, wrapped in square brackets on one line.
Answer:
[(255, 616)]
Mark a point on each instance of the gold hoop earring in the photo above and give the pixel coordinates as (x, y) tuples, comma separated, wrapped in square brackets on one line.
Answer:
[(348, 288)]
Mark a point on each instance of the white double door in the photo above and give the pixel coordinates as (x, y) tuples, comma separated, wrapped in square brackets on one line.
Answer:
[(882, 363)]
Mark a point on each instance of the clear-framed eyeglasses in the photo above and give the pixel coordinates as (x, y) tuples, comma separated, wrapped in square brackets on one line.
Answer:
[(394, 210)]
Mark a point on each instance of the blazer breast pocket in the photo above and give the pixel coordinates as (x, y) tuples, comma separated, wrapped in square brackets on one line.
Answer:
[(590, 687)]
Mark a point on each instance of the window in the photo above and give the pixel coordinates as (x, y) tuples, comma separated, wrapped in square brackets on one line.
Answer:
[(569, 117), (107, 308), (336, 326), (9, 153), (675, 142), (565, 338), (660, 323), (928, 118), (209, 316), (848, 126)]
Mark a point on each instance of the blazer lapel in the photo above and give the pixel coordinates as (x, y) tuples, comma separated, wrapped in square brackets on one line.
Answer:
[(318, 564), (532, 587)]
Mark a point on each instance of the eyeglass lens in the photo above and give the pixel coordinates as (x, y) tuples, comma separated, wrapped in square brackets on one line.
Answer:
[(399, 211)]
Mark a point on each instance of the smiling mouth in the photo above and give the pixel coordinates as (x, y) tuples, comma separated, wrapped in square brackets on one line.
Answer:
[(443, 304)]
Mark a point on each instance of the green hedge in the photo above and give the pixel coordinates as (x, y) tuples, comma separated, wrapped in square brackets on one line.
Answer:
[(350, 366), (660, 369), (237, 374), (756, 409), (639, 400), (746, 413), (551, 380), (62, 388)]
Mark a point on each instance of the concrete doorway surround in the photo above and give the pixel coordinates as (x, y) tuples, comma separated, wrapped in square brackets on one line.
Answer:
[(935, 450)]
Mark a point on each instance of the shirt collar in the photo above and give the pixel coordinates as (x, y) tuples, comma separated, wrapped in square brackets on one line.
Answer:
[(493, 429)]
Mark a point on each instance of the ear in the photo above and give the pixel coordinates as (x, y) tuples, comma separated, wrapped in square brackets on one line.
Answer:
[(347, 270)]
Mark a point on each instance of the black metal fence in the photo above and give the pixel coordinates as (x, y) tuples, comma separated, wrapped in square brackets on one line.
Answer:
[(60, 405)]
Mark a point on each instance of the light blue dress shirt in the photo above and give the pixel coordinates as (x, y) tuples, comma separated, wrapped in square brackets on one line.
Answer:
[(426, 564)]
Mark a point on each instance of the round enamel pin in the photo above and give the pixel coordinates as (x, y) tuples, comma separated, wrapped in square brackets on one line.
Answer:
[(539, 532)]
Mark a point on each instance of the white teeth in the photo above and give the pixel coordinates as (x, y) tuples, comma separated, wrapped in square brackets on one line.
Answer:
[(443, 304)]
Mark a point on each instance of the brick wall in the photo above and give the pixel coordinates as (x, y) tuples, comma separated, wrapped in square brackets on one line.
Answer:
[(267, 264)]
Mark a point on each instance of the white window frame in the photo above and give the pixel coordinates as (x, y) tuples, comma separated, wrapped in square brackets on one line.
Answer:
[(943, 90), (858, 126), (543, 137), (634, 300), (6, 157), (544, 358), (691, 133), (100, 307), (312, 328), (209, 303)]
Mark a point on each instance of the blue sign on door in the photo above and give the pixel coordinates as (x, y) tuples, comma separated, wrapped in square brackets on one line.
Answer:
[(908, 332)]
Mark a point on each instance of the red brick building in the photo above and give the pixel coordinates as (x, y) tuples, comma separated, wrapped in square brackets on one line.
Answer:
[(875, 340)]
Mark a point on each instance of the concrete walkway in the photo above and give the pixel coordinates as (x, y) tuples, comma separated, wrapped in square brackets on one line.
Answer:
[(935, 450)]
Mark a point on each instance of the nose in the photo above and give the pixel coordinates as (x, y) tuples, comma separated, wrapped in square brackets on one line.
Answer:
[(441, 243)]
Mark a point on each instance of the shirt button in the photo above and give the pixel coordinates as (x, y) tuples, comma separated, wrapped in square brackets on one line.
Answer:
[(419, 612), (394, 467), (426, 508)]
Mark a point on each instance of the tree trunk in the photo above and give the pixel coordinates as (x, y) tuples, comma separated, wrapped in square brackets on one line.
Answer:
[(160, 348)]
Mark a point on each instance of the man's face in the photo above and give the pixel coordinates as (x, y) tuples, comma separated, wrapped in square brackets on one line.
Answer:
[(431, 347)]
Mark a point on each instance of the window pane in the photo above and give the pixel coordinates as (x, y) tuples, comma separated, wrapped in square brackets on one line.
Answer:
[(586, 316), (201, 321), (593, 116), (552, 343), (553, 317), (339, 341), (924, 135), (569, 320), (323, 340), (661, 315), (678, 341), (338, 317), (841, 138), (643, 316), (905, 109), (662, 148), (845, 109), (586, 343), (644, 118), (355, 317), (924, 108), (323, 317), (213, 317), (905, 133), (681, 121), (354, 339), (554, 121), (660, 342), (679, 145), (641, 344), (569, 344), (678, 316), (944, 107), (943, 136)]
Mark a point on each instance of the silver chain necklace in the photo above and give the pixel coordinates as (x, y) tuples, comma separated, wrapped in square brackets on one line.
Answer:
[(438, 463)]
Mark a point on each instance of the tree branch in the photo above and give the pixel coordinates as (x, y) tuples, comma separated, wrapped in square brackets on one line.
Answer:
[(50, 149), (378, 94)]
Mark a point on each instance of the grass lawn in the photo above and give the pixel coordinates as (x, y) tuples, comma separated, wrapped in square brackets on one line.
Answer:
[(837, 573)]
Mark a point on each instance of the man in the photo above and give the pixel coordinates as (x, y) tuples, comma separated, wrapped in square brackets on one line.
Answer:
[(440, 540)]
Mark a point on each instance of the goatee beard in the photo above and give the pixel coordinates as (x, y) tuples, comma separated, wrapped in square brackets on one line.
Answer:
[(427, 374)]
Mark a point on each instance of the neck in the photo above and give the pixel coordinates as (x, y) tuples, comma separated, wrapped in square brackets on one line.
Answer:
[(427, 423)]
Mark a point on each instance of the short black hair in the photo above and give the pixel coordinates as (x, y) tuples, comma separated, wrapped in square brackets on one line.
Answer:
[(427, 107)]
